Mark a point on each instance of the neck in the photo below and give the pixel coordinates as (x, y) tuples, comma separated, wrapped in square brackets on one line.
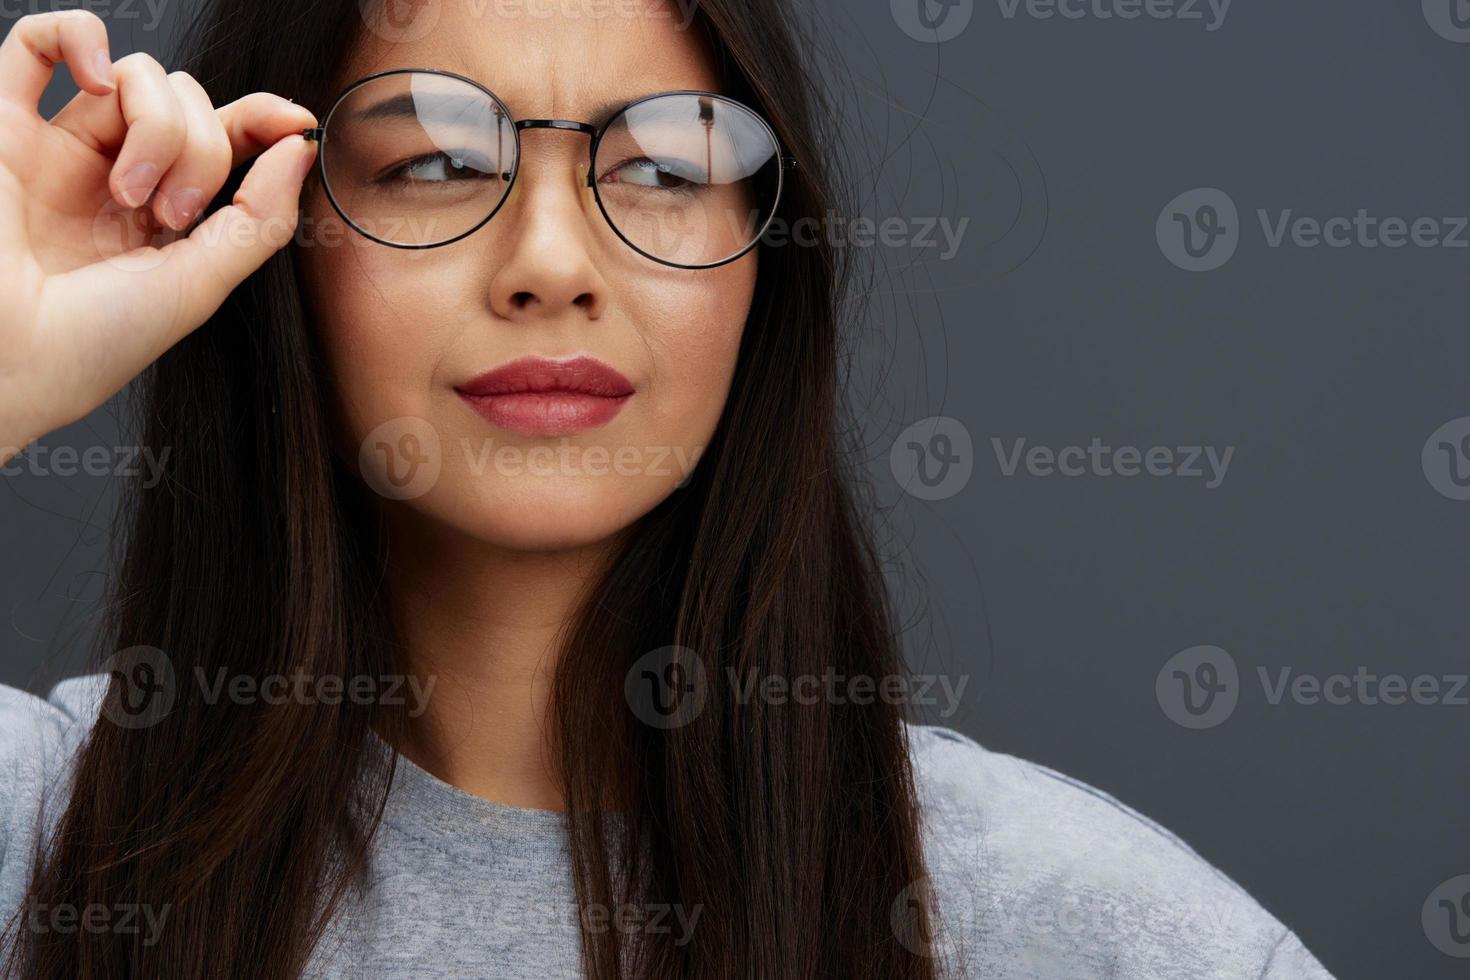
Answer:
[(486, 626)]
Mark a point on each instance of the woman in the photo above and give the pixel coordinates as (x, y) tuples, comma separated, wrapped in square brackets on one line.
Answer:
[(522, 457)]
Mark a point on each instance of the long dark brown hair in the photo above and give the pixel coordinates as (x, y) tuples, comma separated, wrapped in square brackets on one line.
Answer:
[(793, 828)]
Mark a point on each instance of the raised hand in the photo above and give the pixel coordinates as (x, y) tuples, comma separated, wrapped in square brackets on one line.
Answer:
[(104, 263)]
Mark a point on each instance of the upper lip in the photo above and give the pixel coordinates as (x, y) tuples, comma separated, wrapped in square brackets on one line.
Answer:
[(536, 375)]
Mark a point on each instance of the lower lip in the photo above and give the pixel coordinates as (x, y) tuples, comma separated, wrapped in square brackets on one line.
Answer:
[(546, 413)]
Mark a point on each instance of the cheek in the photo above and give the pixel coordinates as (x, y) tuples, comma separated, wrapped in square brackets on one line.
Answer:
[(375, 315), (693, 333)]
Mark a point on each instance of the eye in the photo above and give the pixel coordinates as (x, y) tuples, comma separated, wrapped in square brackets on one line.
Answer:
[(442, 167), (667, 174)]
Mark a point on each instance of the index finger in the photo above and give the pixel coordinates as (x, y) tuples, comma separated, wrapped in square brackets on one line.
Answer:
[(37, 42), (258, 121)]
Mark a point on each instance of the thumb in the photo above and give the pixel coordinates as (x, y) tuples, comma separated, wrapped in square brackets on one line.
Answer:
[(223, 250), (153, 298)]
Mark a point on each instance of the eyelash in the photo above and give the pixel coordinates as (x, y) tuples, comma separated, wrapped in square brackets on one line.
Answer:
[(684, 186), (399, 173)]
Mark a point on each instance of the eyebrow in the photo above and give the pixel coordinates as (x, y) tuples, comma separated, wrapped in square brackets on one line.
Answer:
[(454, 108)]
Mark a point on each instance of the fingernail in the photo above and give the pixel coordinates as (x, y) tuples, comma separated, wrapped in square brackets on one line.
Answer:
[(182, 206), (102, 64), (138, 183)]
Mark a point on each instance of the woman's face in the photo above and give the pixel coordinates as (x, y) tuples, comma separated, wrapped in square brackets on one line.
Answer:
[(405, 332)]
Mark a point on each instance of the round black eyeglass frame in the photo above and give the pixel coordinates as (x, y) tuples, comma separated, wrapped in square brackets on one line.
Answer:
[(319, 133)]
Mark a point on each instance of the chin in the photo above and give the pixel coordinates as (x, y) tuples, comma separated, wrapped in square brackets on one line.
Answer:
[(531, 514), (555, 495)]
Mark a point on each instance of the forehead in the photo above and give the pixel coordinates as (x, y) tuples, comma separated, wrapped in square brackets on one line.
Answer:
[(554, 58)]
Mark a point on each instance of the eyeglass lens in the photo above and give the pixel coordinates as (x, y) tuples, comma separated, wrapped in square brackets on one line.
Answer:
[(421, 159)]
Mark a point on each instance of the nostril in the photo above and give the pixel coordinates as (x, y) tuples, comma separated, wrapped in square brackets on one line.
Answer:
[(584, 300), (523, 299)]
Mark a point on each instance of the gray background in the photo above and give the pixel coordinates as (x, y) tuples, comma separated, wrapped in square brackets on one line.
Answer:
[(1058, 600)]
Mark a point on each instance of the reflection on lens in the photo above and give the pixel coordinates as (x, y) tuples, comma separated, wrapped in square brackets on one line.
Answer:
[(688, 179), (415, 158)]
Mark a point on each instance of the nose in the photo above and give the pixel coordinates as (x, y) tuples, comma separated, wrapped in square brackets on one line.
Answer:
[(544, 246)]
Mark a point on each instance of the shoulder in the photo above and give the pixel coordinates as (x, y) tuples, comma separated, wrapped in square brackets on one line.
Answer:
[(37, 735), (59, 720), (38, 738), (1040, 876)]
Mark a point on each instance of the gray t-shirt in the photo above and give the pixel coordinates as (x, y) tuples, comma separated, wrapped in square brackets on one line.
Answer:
[(1038, 876)]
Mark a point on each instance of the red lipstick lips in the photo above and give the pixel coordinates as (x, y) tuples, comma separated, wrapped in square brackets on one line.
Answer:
[(538, 396)]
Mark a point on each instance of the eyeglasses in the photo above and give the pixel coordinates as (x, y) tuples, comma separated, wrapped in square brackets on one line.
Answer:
[(418, 158)]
